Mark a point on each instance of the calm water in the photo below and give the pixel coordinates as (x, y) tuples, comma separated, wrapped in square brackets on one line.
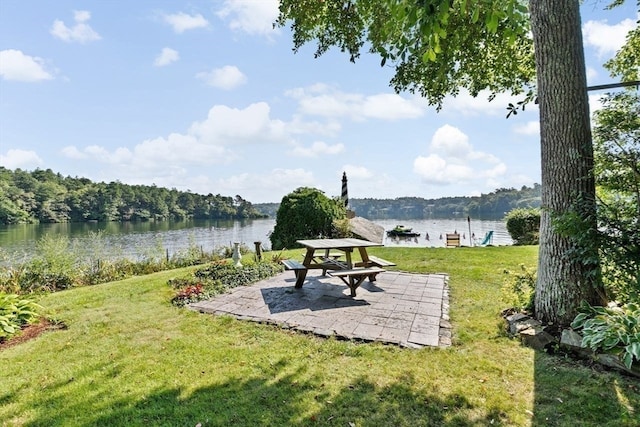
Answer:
[(131, 239)]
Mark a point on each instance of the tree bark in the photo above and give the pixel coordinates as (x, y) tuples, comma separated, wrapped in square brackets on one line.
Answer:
[(564, 280)]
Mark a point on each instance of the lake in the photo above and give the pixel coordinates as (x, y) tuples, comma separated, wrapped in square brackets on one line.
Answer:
[(130, 239)]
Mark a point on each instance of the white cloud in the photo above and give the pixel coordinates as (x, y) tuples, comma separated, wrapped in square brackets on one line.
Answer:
[(318, 148), (166, 57), (390, 106), (592, 73), (467, 105), (529, 128), (181, 22), (357, 172), (23, 159), (453, 160), (16, 66), (250, 16), (437, 170), (270, 186), (451, 142), (213, 140), (322, 100), (605, 38), (81, 32), (228, 126), (72, 152), (227, 78)]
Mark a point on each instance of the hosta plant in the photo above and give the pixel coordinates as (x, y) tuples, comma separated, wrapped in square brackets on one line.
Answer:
[(611, 330), (15, 312)]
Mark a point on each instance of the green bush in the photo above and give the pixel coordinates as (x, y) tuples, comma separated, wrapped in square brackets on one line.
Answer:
[(15, 312), (524, 226), (305, 213), (217, 278), (611, 330)]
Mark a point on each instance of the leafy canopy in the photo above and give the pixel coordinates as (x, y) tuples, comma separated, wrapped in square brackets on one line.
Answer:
[(436, 47), (617, 160)]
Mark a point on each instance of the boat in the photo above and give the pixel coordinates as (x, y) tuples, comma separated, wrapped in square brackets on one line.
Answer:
[(402, 231)]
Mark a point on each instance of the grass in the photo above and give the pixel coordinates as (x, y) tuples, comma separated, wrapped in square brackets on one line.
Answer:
[(130, 358)]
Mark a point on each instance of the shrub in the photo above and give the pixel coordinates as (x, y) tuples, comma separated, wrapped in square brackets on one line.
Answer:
[(524, 226), (15, 312), (305, 213), (188, 294), (217, 278), (519, 288), (611, 330)]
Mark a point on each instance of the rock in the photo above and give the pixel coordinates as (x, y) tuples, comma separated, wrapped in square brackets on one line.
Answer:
[(612, 361), (536, 338), (516, 317), (570, 340), (519, 322), (366, 229)]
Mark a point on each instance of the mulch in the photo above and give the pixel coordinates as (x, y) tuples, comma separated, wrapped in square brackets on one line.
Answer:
[(30, 332)]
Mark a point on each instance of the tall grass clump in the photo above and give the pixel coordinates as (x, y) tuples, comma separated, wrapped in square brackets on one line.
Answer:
[(60, 263)]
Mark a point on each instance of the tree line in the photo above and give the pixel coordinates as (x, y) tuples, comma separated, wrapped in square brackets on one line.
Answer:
[(47, 197), (493, 205)]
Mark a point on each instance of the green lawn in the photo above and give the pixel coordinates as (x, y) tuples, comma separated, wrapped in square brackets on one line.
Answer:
[(130, 358)]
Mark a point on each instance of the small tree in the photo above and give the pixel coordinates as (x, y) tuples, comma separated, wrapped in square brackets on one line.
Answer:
[(617, 153), (305, 213)]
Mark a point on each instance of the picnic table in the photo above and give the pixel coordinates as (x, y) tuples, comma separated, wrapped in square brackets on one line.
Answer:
[(326, 254)]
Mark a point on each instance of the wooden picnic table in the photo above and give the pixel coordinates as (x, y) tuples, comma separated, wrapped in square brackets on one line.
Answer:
[(321, 254)]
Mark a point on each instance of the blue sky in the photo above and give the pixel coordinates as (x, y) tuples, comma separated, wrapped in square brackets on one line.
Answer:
[(206, 96)]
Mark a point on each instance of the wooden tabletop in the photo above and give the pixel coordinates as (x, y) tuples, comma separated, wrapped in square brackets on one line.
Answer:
[(337, 243)]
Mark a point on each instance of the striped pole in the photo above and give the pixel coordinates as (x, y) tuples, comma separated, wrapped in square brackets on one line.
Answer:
[(345, 194)]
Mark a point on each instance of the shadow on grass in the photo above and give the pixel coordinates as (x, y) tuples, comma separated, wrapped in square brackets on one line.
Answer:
[(285, 400), (570, 393)]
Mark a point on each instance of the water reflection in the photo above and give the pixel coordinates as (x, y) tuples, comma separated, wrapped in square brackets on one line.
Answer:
[(129, 238)]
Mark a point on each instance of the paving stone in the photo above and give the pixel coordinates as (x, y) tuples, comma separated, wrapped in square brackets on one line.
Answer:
[(397, 335), (374, 320), (403, 316), (422, 319), (398, 324), (367, 332), (424, 339)]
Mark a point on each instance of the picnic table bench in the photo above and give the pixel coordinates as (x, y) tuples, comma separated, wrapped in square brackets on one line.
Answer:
[(291, 264), (374, 260)]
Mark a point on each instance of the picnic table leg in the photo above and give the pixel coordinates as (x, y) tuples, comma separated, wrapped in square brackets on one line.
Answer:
[(365, 257), (302, 274), (326, 255), (347, 253), (354, 282)]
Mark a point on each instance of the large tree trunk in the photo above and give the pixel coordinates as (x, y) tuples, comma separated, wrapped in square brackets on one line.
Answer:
[(564, 278)]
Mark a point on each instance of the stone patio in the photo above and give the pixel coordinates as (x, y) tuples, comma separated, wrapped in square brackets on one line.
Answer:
[(410, 310)]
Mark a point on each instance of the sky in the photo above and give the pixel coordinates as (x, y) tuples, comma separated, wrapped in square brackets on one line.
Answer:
[(206, 96)]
